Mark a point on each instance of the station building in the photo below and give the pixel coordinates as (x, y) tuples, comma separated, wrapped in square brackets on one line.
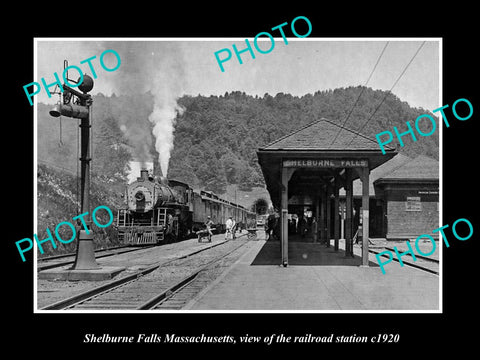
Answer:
[(404, 198), (339, 183), (409, 198)]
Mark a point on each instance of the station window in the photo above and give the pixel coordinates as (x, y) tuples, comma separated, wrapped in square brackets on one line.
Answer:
[(413, 203)]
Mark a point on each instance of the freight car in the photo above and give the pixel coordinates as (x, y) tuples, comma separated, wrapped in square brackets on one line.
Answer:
[(160, 211)]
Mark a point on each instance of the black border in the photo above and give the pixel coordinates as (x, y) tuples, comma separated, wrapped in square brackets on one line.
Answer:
[(460, 70)]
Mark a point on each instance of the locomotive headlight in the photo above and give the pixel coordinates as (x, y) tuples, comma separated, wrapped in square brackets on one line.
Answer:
[(139, 196)]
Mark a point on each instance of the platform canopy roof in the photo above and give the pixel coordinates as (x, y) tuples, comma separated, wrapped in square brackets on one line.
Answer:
[(420, 169), (322, 135), (320, 140)]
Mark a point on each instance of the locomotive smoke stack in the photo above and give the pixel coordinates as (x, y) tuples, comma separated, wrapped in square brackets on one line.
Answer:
[(144, 174)]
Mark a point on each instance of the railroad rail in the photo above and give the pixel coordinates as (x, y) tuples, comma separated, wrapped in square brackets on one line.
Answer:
[(138, 291), (185, 285), (427, 258), (411, 264), (55, 257), (117, 250)]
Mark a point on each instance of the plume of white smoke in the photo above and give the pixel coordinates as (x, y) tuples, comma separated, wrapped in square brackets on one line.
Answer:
[(166, 89), (164, 119), (155, 67)]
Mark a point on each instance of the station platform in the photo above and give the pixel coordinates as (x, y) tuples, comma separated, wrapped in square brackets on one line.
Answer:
[(317, 279)]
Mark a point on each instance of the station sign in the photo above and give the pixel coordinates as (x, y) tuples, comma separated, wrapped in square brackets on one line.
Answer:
[(325, 163)]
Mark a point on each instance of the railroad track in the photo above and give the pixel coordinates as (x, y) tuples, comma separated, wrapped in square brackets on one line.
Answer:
[(195, 283), (429, 265), (55, 257), (43, 263), (151, 288), (427, 258)]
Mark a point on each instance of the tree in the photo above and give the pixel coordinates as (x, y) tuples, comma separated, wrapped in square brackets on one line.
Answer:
[(245, 180), (216, 138), (110, 156), (260, 206)]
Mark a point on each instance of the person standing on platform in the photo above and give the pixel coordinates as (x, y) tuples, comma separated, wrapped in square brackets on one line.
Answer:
[(302, 226), (234, 228), (229, 227), (314, 228), (208, 225), (270, 226)]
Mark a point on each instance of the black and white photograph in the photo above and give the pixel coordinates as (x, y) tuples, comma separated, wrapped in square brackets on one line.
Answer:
[(258, 186), (240, 180)]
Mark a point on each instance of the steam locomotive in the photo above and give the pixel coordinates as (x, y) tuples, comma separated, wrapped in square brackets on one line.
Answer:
[(159, 210)]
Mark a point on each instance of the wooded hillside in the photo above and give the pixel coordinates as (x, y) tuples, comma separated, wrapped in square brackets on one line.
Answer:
[(216, 137)]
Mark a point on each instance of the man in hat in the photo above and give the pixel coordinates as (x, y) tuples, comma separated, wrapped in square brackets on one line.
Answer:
[(209, 224), (230, 226)]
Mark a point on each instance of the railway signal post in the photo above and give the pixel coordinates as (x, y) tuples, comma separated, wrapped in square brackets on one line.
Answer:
[(81, 109), (78, 105)]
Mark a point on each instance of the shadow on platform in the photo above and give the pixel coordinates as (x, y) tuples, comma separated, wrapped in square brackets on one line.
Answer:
[(305, 253)]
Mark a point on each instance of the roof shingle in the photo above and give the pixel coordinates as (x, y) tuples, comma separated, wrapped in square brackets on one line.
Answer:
[(319, 135), (422, 167)]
